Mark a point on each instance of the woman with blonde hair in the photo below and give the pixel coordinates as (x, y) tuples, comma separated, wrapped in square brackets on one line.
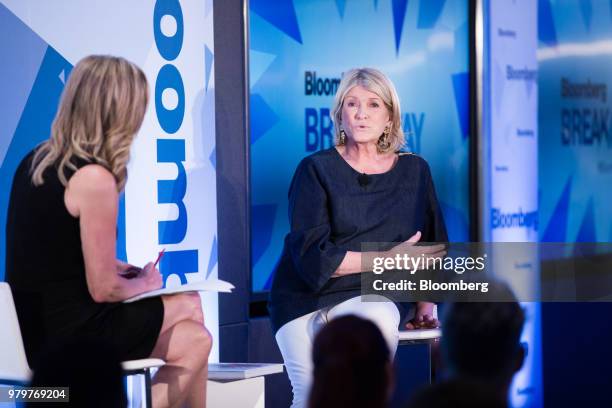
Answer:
[(61, 236), (361, 190)]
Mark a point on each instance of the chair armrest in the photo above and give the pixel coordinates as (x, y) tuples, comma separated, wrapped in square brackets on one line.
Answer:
[(142, 364), (419, 334)]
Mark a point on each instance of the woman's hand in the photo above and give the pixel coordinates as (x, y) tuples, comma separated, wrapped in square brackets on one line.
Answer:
[(152, 276), (127, 271), (423, 317), (408, 248), (352, 262)]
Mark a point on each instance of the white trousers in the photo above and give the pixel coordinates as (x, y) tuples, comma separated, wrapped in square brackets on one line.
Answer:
[(296, 337)]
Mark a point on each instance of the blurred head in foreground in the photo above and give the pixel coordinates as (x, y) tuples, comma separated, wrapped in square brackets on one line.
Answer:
[(351, 365), (481, 340), (457, 393)]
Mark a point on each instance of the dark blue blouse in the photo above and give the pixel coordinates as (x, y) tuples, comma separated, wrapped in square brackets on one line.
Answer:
[(331, 212)]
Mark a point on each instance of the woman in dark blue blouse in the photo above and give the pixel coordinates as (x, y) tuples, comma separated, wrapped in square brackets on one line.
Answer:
[(362, 190)]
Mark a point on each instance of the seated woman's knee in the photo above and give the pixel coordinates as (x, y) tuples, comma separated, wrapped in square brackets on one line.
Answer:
[(198, 313), (200, 342), (192, 305)]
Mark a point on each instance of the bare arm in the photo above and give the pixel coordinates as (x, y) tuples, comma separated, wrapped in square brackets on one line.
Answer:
[(92, 196)]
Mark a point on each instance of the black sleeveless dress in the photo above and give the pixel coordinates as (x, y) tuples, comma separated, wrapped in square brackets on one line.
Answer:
[(46, 272)]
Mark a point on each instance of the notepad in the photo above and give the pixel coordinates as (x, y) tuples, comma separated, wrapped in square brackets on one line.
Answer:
[(209, 285)]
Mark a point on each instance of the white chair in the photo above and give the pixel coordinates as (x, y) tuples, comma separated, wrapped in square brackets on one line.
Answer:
[(14, 368), (419, 336), (238, 384)]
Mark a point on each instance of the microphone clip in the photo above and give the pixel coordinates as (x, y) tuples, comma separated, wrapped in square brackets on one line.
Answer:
[(363, 180)]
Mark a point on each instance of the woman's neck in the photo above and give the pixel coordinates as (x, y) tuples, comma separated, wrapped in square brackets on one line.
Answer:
[(365, 157), (361, 152)]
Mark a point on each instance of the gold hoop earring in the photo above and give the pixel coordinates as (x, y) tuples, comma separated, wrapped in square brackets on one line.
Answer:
[(342, 138), (383, 141)]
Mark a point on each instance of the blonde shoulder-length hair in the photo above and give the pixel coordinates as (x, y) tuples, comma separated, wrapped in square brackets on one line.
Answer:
[(100, 112), (374, 81)]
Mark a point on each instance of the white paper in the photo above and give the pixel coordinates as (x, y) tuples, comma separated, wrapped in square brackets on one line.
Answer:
[(209, 285)]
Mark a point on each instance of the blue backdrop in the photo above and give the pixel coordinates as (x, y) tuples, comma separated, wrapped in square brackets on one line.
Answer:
[(32, 76), (575, 171), (298, 52), (575, 55)]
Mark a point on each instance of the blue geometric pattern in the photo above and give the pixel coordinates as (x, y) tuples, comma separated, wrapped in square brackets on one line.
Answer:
[(259, 62), (429, 12), (456, 223), (547, 33), (35, 122), (17, 72), (179, 263), (262, 221), (279, 13), (586, 10), (586, 233), (213, 158), (268, 283), (399, 13), (212, 259), (557, 225), (461, 46), (340, 4), (34, 125), (461, 91), (266, 118), (208, 63)]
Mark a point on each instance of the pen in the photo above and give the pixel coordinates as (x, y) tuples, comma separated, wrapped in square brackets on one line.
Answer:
[(159, 257)]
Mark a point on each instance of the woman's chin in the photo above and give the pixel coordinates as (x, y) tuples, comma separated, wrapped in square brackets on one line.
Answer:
[(364, 139)]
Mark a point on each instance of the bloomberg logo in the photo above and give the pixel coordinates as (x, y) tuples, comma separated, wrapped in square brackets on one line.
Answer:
[(514, 220), (317, 86), (506, 33), (169, 43), (521, 74)]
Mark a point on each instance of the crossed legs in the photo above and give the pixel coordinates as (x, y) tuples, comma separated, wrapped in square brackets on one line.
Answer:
[(184, 343)]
